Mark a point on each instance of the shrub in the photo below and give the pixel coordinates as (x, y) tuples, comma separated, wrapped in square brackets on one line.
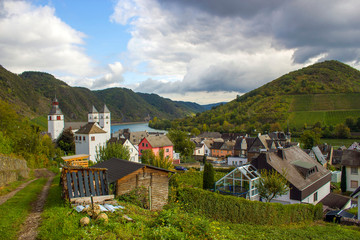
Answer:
[(240, 210)]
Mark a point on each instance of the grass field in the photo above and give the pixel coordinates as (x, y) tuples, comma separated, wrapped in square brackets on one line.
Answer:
[(333, 141), (41, 121)]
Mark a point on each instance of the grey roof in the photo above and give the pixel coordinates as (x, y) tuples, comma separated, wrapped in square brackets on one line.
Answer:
[(319, 156), (90, 128), (335, 201), (210, 135), (356, 193), (55, 109), (105, 109), (136, 137), (350, 158), (288, 160), (119, 168), (74, 125), (93, 110), (159, 141)]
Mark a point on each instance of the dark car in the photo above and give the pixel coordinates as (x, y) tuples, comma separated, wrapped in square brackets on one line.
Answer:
[(180, 168)]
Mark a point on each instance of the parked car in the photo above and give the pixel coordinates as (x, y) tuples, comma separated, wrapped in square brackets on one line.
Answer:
[(180, 168)]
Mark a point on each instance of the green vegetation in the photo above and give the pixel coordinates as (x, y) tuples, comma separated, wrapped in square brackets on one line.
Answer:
[(326, 92), (182, 143), (239, 210), (148, 157), (309, 139), (61, 222), (343, 179), (112, 150), (208, 178), (18, 136), (14, 211), (272, 184), (33, 92)]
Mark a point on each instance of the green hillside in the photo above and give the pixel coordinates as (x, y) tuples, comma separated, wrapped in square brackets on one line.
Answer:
[(328, 92), (32, 93)]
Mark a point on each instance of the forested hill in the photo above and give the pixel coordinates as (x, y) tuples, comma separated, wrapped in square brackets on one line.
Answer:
[(325, 92), (31, 94)]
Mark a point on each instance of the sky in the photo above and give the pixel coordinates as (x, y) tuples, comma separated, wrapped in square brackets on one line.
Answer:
[(204, 51)]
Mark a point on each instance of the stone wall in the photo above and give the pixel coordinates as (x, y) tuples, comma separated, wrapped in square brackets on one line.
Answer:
[(12, 169)]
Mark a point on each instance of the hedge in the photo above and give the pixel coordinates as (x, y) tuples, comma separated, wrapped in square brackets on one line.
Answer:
[(240, 210)]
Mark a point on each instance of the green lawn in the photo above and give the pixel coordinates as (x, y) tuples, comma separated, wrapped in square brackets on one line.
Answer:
[(14, 211)]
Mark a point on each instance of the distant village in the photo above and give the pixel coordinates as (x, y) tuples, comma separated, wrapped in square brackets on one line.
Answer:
[(307, 171)]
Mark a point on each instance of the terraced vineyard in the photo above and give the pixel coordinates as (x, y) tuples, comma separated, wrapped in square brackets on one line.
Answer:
[(329, 109)]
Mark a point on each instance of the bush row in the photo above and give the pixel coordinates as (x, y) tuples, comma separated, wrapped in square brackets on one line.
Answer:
[(240, 210)]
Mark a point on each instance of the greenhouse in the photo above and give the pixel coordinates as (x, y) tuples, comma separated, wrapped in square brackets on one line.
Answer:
[(240, 182)]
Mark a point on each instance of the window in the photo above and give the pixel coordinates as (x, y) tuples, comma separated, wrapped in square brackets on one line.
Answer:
[(143, 144), (93, 138), (354, 184), (75, 137), (49, 117), (58, 117), (354, 171), (315, 197), (167, 150), (84, 138), (146, 145)]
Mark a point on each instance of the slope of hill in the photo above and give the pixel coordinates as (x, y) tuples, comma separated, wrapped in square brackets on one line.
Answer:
[(327, 92), (32, 93)]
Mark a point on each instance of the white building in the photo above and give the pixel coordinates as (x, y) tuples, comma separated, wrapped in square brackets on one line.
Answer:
[(90, 136), (55, 121), (309, 181), (134, 153), (88, 139), (94, 134)]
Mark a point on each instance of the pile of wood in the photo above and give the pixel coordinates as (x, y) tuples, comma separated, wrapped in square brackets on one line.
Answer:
[(79, 184)]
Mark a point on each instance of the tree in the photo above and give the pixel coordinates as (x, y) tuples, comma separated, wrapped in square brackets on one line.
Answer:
[(195, 132), (112, 150), (343, 179), (208, 177), (148, 157), (350, 123), (309, 139), (66, 141), (272, 184), (342, 131), (182, 142), (274, 127)]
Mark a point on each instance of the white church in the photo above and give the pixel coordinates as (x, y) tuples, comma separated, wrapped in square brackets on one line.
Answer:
[(95, 133)]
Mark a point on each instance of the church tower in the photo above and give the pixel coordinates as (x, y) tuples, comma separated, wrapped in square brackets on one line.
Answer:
[(93, 115), (55, 120), (105, 120)]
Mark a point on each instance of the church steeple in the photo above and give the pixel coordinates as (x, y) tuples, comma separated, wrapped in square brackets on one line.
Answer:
[(55, 120)]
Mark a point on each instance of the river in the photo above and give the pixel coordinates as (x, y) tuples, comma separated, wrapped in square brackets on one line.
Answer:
[(134, 127)]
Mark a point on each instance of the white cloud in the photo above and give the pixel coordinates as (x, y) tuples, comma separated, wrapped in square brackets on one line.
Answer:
[(111, 79), (210, 45), (33, 38)]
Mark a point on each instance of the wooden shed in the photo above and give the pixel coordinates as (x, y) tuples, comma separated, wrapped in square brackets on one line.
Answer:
[(79, 184), (129, 175)]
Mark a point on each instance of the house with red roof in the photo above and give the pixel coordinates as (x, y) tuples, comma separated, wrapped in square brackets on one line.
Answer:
[(157, 143)]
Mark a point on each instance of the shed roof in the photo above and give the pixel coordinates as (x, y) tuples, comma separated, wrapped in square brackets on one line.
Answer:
[(335, 201), (90, 128), (119, 168)]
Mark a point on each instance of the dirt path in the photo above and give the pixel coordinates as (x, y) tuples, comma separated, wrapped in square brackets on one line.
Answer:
[(29, 227), (6, 197)]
